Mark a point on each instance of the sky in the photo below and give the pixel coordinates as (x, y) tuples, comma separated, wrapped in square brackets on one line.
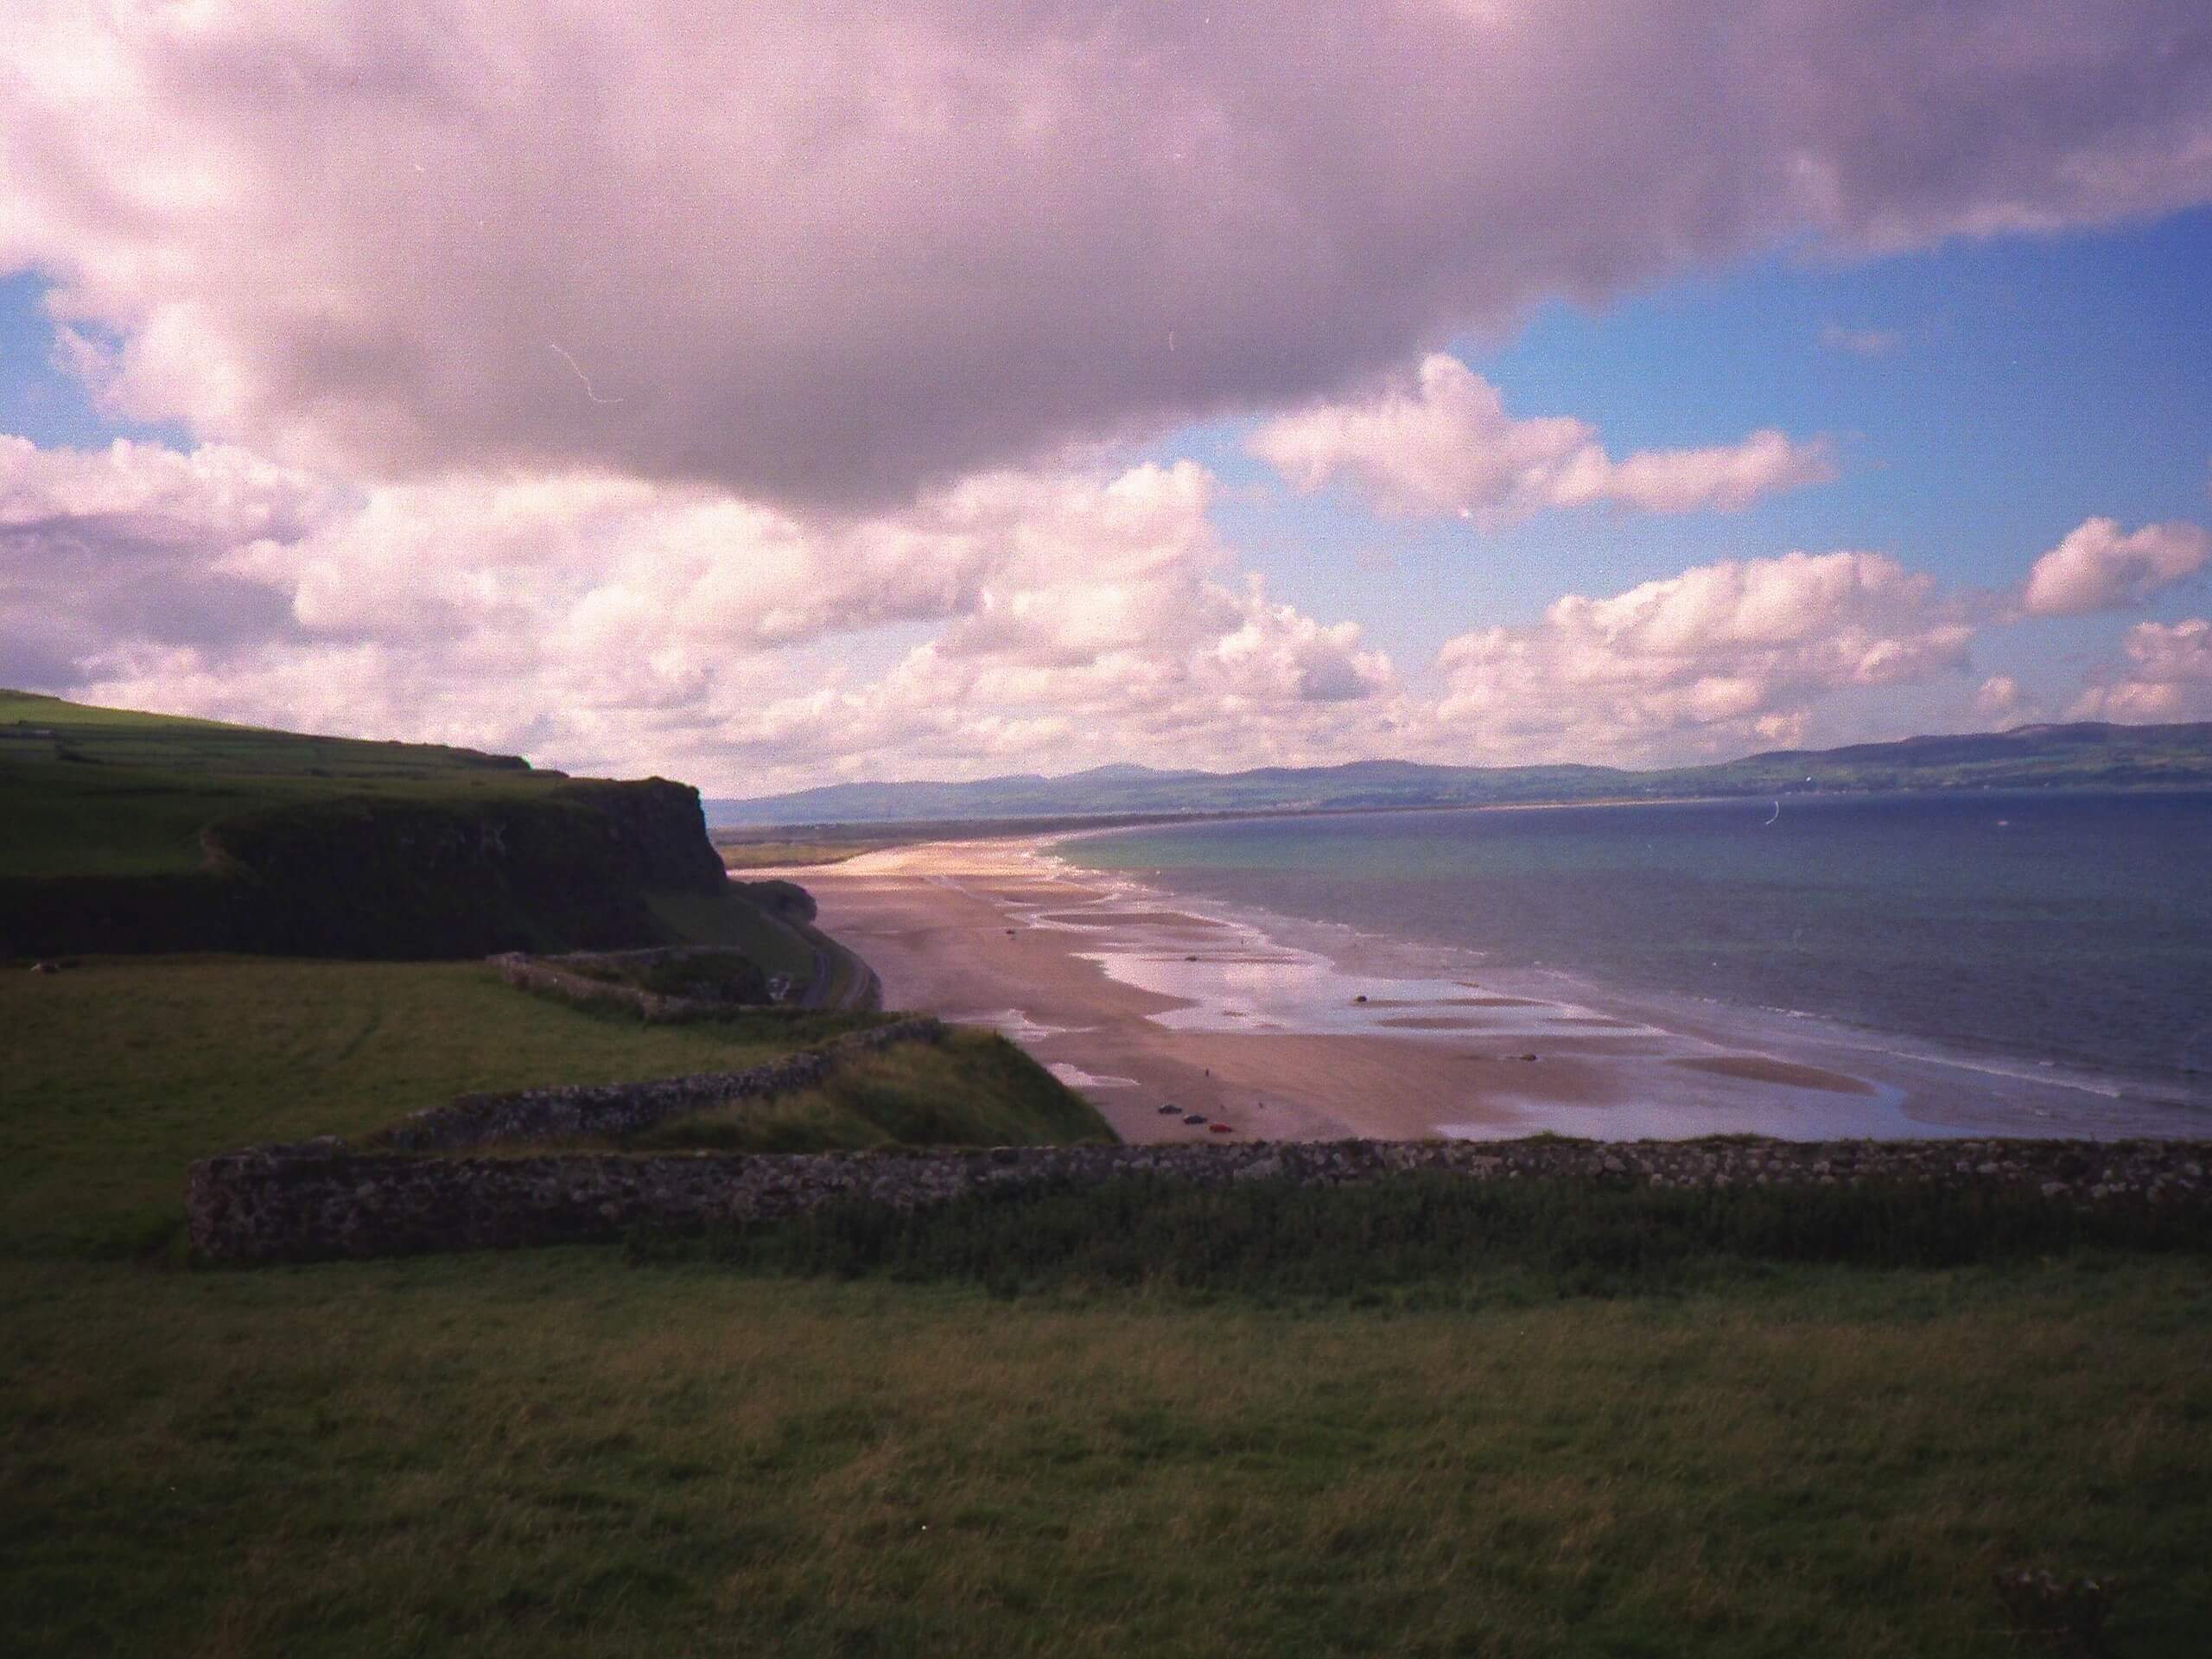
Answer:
[(778, 395)]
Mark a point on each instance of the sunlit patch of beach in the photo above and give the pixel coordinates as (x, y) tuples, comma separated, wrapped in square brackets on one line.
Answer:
[(1012, 1024), (1076, 1077)]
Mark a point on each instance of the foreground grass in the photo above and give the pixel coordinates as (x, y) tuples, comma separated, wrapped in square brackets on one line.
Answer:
[(552, 1454), (117, 1074), (1436, 1238), (558, 1453)]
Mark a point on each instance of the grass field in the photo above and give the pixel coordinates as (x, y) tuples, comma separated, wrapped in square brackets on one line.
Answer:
[(117, 1074), (68, 820), (1424, 1236), (974, 1089), (33, 721), (552, 1454), (112, 791), (38, 727), (781, 943), (558, 1452), (778, 945)]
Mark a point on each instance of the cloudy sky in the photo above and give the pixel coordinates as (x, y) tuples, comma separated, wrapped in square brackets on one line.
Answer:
[(772, 394)]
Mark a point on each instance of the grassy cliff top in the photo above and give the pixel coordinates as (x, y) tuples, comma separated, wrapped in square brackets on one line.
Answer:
[(33, 727), (117, 792)]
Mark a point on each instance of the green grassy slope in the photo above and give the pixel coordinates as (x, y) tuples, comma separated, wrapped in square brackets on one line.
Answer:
[(974, 1089), (121, 831), (93, 791), (709, 918), (117, 1074), (33, 727), (33, 709)]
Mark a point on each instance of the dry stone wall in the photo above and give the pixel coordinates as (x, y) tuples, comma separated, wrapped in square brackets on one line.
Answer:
[(614, 1110), (320, 1200)]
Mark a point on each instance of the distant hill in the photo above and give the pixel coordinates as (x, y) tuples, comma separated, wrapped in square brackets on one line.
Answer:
[(2076, 756), (122, 831)]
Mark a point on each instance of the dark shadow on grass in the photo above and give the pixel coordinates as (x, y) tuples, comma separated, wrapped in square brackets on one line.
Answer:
[(1271, 1238)]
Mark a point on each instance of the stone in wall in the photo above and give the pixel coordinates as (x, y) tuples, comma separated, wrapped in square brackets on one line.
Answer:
[(320, 1200)]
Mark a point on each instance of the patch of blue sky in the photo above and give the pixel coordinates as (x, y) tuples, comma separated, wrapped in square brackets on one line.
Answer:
[(2000, 392), (2032, 381), (40, 399)]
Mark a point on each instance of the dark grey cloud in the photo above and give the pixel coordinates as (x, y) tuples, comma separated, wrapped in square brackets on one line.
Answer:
[(71, 587)]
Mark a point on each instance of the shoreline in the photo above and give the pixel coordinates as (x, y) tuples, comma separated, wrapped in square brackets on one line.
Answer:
[(1139, 998), (907, 832), (830, 843)]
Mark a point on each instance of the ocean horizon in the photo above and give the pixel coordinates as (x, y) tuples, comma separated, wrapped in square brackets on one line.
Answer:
[(2049, 951)]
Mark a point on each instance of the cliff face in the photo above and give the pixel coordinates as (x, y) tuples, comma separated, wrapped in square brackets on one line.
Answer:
[(396, 878), (659, 825)]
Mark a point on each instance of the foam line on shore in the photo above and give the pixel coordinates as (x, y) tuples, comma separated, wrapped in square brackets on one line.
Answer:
[(1891, 1069), (1257, 1021)]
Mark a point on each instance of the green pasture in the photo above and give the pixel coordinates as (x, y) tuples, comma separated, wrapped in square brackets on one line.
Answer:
[(86, 790)]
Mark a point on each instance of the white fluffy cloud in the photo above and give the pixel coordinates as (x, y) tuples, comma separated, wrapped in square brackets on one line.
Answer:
[(706, 388), (1999, 699), (839, 254), (2097, 568), (2167, 675), (1019, 620), (216, 492), (607, 624), (1443, 443), (1719, 658), (1241, 681)]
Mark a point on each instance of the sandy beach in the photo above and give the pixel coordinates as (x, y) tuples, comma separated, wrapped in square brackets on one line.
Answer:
[(1141, 1002)]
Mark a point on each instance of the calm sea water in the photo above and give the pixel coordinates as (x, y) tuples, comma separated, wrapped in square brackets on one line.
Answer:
[(2070, 928)]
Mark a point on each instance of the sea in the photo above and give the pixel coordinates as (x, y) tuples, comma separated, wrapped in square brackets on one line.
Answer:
[(2062, 941)]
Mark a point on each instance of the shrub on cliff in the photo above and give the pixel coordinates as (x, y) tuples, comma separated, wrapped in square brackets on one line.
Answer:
[(778, 897), (699, 973)]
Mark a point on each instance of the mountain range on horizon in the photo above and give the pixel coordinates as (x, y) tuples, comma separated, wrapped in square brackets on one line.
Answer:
[(2083, 754)]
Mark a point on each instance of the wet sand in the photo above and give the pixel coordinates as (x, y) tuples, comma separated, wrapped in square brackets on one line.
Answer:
[(1139, 1005), (1758, 1069)]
